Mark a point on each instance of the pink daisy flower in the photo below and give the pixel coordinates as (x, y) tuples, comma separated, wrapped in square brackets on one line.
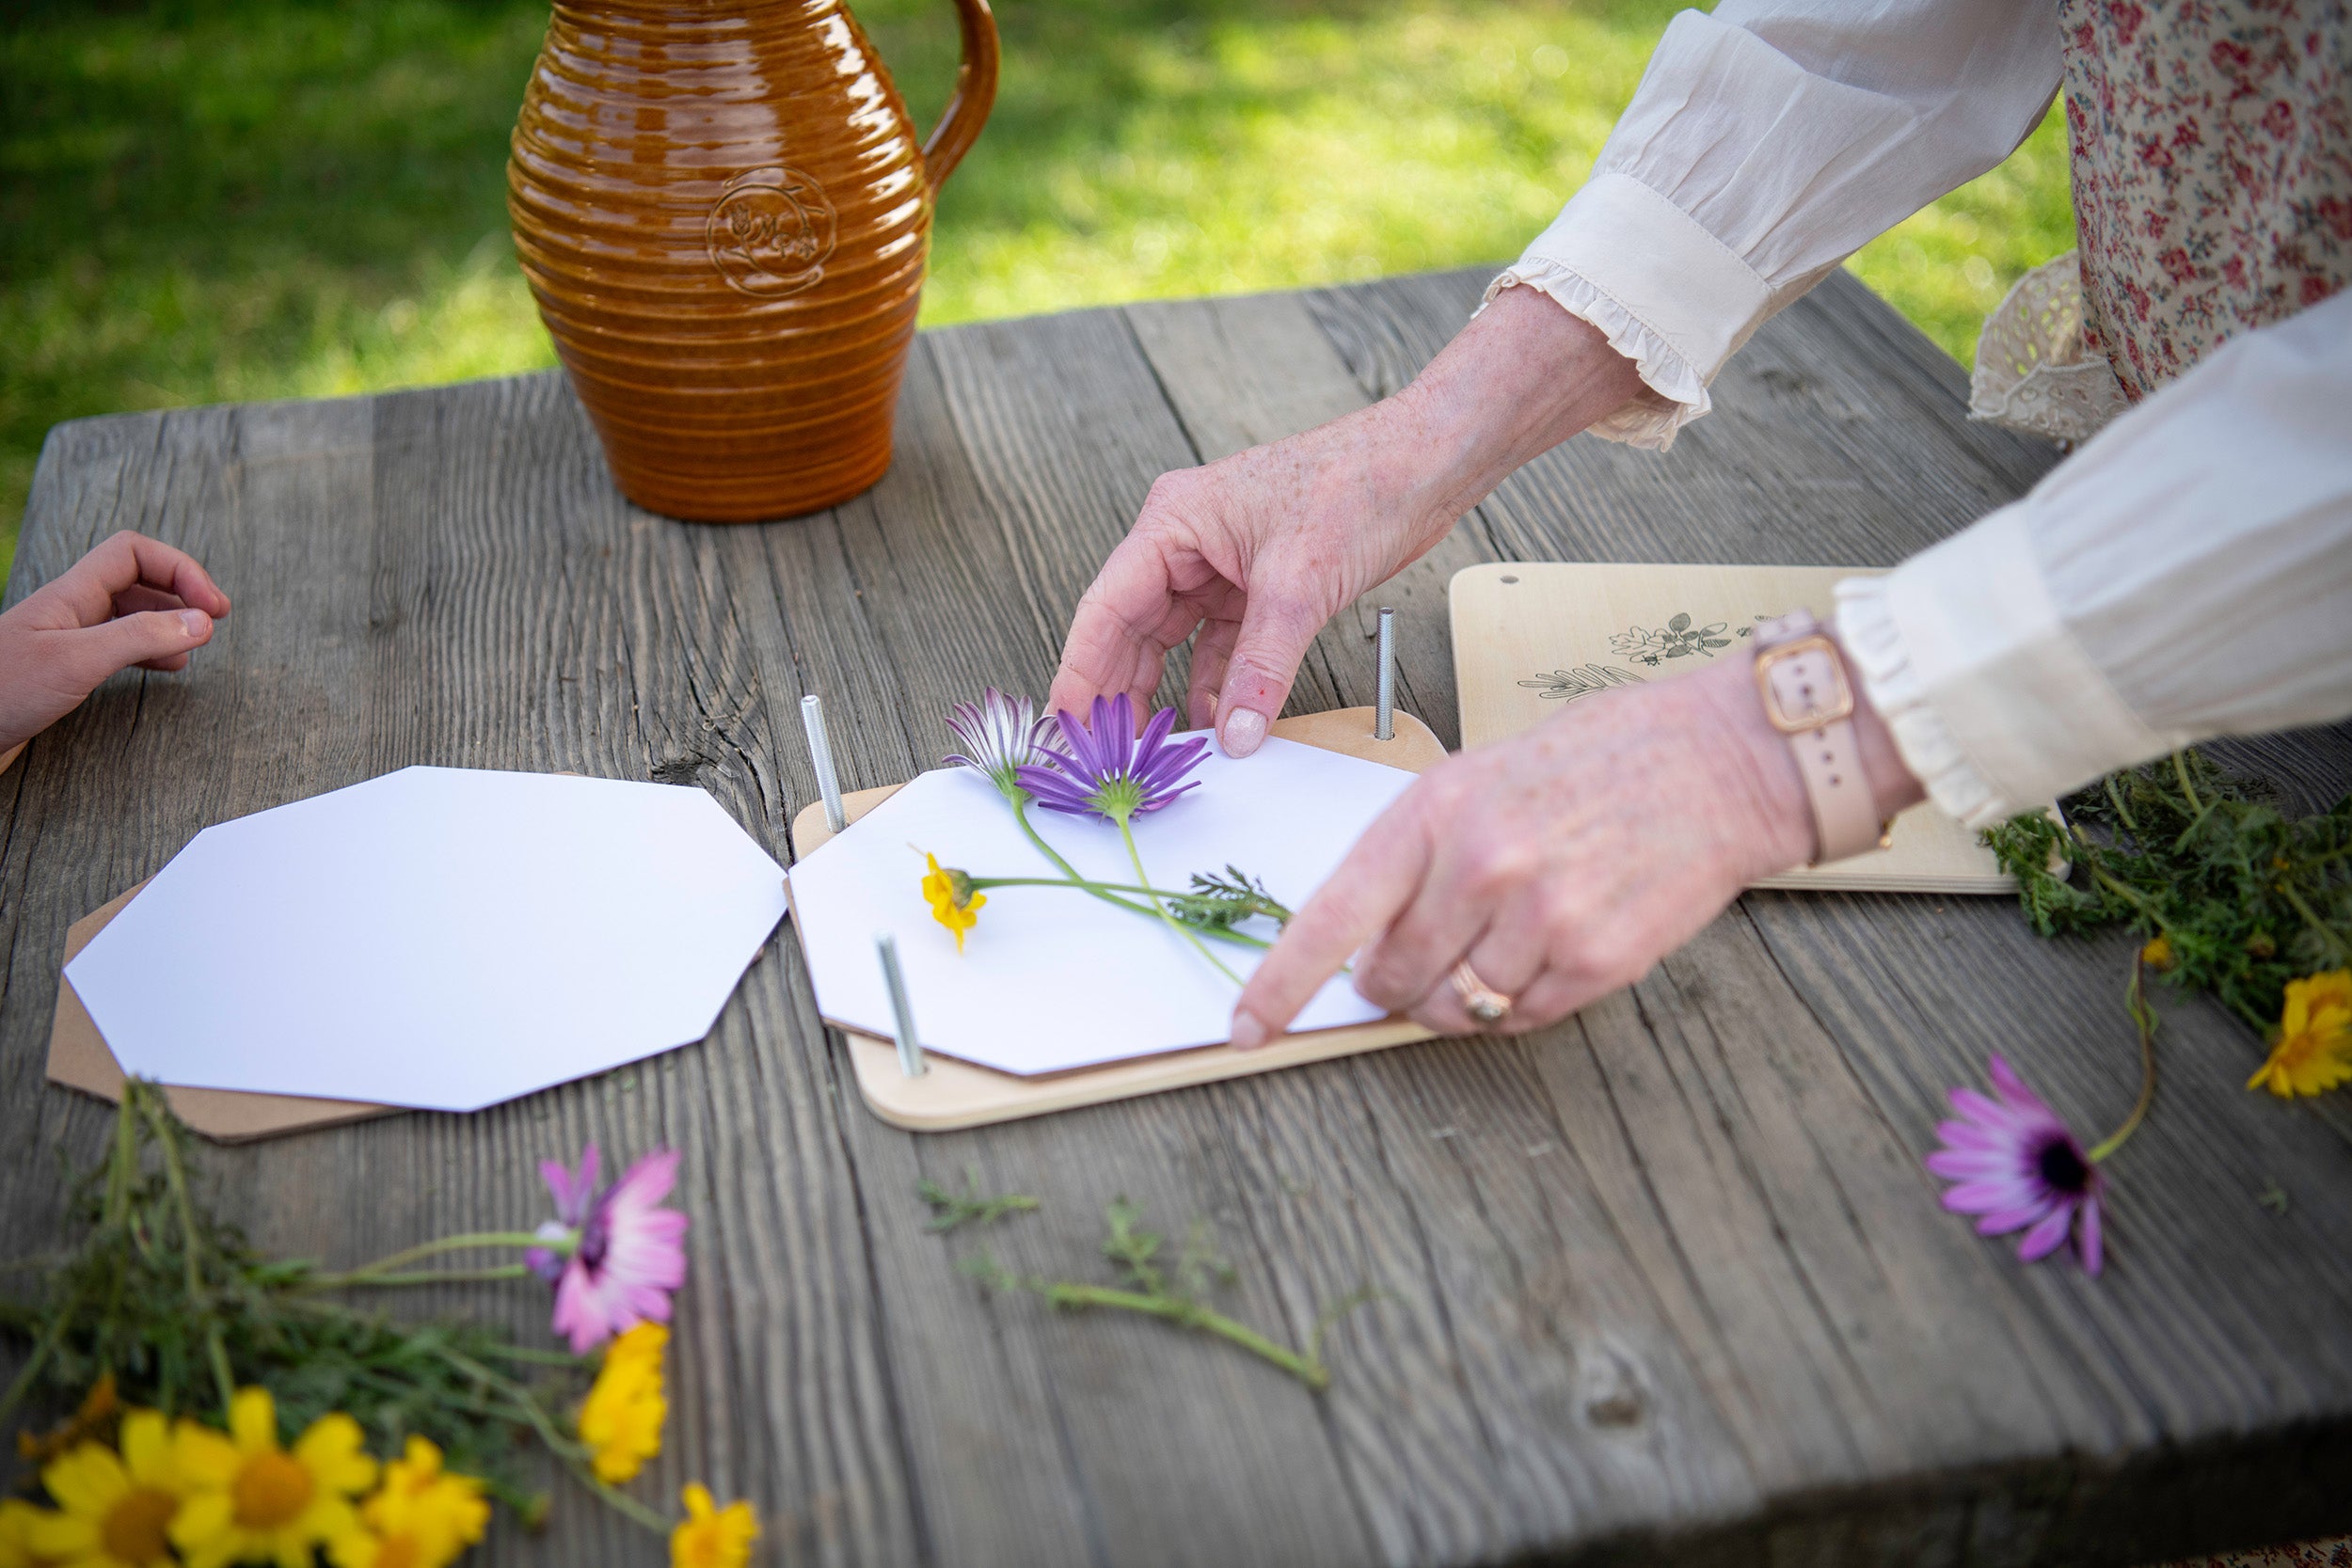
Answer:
[(2013, 1163), (629, 1253)]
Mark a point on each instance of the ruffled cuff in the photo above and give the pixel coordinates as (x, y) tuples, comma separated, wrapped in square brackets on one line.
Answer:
[(1993, 701), (1873, 643), (1672, 394), (1667, 293)]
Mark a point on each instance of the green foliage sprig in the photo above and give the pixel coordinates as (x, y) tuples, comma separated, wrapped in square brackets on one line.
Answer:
[(178, 1308), (1220, 903), (1176, 1292), (950, 1209), (2244, 897)]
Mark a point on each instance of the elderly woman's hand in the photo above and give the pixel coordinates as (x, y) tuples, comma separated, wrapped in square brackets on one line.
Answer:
[(1563, 861), (1259, 550)]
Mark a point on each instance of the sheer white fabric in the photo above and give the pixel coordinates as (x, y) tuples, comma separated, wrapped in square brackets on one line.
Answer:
[(2186, 573), (2034, 373)]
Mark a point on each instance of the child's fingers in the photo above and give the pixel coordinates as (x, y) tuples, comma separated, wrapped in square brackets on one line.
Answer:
[(128, 561), (155, 639)]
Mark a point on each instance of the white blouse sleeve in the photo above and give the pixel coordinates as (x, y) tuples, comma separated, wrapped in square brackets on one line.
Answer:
[(1766, 142), (2187, 573)]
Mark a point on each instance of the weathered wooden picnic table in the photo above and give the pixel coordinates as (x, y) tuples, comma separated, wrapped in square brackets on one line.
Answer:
[(1665, 1282)]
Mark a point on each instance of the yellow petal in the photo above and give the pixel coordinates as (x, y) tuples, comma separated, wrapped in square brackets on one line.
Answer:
[(253, 1421), (62, 1536), (204, 1521), (330, 1451), (147, 1450), (86, 1479), (203, 1457)]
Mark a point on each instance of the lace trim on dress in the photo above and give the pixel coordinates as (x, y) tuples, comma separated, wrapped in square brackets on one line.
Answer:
[(2034, 372), (1675, 392), (1866, 624)]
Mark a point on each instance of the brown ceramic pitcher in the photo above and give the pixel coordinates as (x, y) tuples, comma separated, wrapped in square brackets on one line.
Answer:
[(724, 212)]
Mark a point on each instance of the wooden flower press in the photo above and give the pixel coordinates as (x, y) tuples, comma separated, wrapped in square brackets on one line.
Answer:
[(950, 1094)]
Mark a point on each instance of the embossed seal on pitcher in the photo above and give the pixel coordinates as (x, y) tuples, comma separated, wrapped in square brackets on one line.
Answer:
[(724, 215)]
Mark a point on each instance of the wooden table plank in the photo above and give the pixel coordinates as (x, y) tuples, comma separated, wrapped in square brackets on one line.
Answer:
[(1664, 1281)]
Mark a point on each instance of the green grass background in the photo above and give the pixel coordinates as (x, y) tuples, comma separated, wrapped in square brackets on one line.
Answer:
[(259, 199)]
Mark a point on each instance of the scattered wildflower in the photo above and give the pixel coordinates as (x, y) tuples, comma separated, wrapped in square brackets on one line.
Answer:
[(621, 1419), (251, 1500), (1110, 773), (92, 1421), (2158, 954), (629, 1253), (2014, 1163), (114, 1511), (711, 1536), (422, 1517), (17, 1519), (1001, 735), (2314, 1047), (949, 893)]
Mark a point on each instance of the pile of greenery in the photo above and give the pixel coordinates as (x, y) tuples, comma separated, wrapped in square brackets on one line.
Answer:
[(2235, 897)]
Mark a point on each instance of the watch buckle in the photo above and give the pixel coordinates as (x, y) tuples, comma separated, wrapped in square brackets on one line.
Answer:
[(1841, 706)]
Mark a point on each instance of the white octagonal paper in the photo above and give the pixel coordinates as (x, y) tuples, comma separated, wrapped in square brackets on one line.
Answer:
[(1051, 979), (437, 937)]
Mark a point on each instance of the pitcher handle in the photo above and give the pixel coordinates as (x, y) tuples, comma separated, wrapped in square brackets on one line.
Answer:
[(967, 107)]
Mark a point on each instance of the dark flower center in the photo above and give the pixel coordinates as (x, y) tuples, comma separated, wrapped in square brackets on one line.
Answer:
[(595, 1236), (2062, 1169)]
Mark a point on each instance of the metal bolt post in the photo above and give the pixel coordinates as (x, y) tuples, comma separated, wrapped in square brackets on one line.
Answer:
[(910, 1048), (821, 755), (1387, 729)]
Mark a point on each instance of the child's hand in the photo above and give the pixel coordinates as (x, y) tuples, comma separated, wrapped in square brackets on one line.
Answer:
[(133, 600)]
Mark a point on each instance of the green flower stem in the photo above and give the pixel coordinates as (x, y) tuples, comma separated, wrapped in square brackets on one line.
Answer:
[(565, 1449), (1019, 803), (1134, 858), (425, 1277), (366, 1273), (1191, 1314), (2328, 935), (176, 1177), (2144, 1017), (1223, 933)]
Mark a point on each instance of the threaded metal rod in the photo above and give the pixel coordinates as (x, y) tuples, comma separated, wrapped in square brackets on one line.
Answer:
[(1386, 728), (910, 1060), (821, 757)]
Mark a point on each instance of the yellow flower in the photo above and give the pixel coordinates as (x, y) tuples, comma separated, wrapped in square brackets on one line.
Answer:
[(251, 1500), (2157, 954), (421, 1516), (621, 1420), (114, 1510), (2314, 1047), (712, 1537), (17, 1521), (953, 903)]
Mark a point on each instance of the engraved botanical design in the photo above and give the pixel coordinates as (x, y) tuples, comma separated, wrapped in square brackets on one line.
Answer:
[(1680, 637), (1568, 685), (772, 231), (1677, 638)]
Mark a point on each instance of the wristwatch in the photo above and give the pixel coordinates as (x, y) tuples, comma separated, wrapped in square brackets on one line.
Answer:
[(1801, 677)]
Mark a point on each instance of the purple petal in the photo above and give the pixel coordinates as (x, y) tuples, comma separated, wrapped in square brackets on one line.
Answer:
[(2045, 1238), (1994, 1196), (1987, 1113), (2013, 1091), (1968, 1134), (2002, 1221), (1968, 1165), (2088, 1240)]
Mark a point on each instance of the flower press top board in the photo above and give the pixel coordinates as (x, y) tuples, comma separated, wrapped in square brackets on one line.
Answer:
[(1531, 640), (990, 1001)]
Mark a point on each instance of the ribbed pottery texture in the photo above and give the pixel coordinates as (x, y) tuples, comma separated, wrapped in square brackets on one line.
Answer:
[(723, 213)]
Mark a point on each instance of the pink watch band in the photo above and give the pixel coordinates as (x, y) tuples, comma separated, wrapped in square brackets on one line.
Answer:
[(1801, 677)]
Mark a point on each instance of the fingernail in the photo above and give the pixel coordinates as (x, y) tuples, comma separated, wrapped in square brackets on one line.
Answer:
[(1244, 732), (1249, 1034), (195, 621)]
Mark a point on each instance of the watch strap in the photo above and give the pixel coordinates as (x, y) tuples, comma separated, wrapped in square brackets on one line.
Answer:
[(1809, 699)]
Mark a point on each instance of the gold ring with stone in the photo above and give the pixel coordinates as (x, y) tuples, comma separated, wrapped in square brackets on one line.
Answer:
[(1484, 1004)]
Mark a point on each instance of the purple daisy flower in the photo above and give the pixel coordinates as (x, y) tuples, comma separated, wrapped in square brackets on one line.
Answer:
[(2013, 1161), (631, 1252), (1000, 735), (1107, 771)]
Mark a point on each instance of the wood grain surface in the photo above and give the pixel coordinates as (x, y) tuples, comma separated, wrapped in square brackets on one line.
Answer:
[(1663, 1283)]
